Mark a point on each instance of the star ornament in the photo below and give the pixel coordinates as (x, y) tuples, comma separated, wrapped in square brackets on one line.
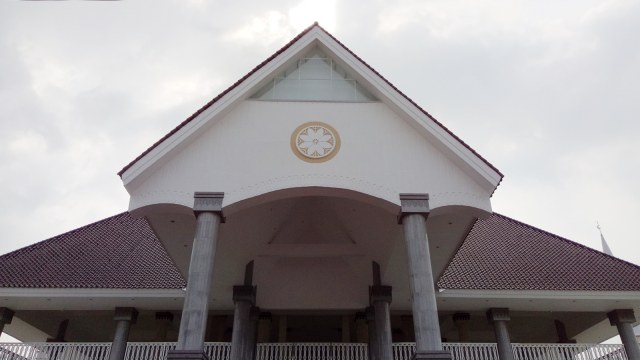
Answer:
[(315, 142)]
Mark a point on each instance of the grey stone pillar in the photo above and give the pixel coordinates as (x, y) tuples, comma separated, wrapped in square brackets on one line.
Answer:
[(208, 210), (6, 315), (244, 298), (499, 317), (124, 317), (623, 320), (380, 298), (374, 347), (253, 332), (413, 217)]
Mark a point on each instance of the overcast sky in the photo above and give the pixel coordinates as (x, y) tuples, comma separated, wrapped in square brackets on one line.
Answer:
[(547, 91)]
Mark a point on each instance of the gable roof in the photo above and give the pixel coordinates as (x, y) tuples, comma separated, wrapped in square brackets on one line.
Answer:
[(501, 253), (119, 252), (276, 55)]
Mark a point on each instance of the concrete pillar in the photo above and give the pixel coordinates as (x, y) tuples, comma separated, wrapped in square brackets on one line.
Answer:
[(380, 298), (623, 320), (374, 347), (164, 320), (499, 317), (208, 210), (282, 328), (6, 315), (413, 217), (462, 323), (264, 327), (124, 317), (253, 332), (244, 298), (346, 329)]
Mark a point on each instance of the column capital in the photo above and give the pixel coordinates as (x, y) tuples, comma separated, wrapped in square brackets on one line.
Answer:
[(498, 314), (244, 293), (126, 314), (207, 202), (620, 316), (413, 204), (379, 293), (6, 315)]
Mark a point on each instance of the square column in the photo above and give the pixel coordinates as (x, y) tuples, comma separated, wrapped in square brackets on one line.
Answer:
[(208, 210), (499, 317), (413, 217), (623, 319)]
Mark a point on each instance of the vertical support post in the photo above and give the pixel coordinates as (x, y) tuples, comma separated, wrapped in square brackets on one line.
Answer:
[(623, 320), (462, 323), (124, 317), (6, 315), (380, 298), (208, 210), (374, 346), (413, 216), (253, 332), (244, 297), (499, 317)]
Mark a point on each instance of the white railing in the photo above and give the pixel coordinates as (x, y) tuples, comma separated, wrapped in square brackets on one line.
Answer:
[(55, 351), (311, 351), (569, 352), (308, 351), (460, 351)]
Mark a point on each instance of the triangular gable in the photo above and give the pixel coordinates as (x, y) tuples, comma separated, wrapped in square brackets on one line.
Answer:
[(483, 171), (501, 253)]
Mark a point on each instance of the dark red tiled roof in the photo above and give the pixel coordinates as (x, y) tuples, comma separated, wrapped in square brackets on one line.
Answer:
[(262, 64), (117, 252), (504, 254)]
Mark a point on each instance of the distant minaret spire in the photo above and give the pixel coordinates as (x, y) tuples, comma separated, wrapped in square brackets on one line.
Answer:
[(605, 246)]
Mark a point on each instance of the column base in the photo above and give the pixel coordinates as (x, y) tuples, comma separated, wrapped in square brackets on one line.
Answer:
[(432, 355), (186, 355)]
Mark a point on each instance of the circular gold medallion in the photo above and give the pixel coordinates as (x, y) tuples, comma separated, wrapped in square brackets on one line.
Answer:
[(315, 142)]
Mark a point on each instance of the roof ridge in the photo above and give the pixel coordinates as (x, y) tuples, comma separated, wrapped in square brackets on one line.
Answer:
[(570, 242), (59, 236), (277, 53)]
